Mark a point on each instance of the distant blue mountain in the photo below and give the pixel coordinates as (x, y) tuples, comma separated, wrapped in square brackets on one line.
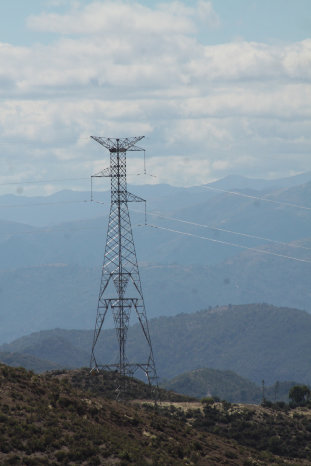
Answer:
[(258, 184), (50, 275), (67, 205), (82, 241), (65, 296)]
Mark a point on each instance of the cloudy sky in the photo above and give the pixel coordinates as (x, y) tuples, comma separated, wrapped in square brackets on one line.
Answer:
[(217, 87)]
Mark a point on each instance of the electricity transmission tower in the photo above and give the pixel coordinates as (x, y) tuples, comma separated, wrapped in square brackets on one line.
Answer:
[(120, 289)]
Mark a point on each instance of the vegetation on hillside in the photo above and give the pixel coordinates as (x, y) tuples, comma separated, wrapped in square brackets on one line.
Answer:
[(105, 384), (300, 395), (271, 430), (27, 361), (257, 341), (45, 420), (226, 385)]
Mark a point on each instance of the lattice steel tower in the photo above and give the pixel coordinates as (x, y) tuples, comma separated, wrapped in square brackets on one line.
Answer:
[(120, 289)]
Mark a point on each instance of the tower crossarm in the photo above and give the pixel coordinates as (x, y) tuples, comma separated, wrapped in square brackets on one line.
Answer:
[(119, 144), (102, 173), (133, 198)]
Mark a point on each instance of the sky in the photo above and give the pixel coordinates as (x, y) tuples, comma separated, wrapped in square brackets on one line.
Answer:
[(216, 87)]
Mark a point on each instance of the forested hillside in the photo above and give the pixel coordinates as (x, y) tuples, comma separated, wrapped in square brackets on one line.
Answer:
[(226, 385)]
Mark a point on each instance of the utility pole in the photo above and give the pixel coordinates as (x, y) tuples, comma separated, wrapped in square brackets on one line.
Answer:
[(120, 289)]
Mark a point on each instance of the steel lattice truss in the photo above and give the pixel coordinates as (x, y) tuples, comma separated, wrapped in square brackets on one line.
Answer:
[(120, 289)]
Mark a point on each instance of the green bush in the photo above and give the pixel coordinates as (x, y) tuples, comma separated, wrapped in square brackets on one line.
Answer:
[(299, 395)]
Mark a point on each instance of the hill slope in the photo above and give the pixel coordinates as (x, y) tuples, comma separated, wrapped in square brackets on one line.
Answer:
[(256, 341), (226, 385), (45, 420), (64, 296), (27, 361)]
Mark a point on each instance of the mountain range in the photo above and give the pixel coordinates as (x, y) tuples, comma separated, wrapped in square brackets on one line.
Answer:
[(258, 342), (50, 268)]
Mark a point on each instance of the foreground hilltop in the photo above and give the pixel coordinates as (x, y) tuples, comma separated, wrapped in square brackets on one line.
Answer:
[(46, 420)]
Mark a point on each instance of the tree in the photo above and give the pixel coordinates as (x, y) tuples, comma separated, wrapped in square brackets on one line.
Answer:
[(299, 394)]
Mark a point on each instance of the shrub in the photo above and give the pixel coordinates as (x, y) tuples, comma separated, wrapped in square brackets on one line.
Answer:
[(208, 400), (299, 395)]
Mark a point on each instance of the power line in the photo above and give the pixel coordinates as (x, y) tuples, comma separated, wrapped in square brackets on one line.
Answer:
[(288, 204), (35, 204), (227, 243), (155, 214), (47, 230), (16, 183), (42, 181), (35, 142), (247, 235)]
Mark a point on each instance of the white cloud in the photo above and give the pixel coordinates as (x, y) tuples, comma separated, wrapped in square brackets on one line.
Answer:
[(207, 14), (127, 69), (252, 61), (111, 16)]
